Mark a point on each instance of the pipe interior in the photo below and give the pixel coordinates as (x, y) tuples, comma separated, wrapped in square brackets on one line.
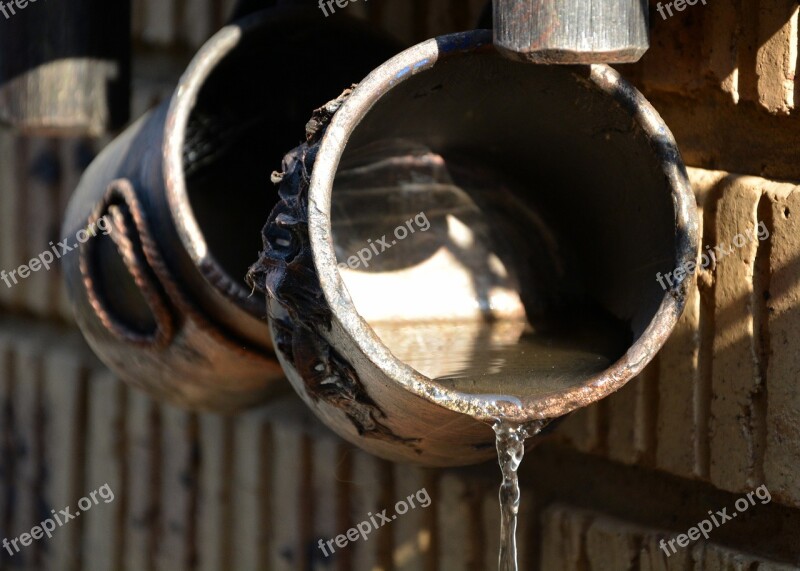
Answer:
[(251, 110), (534, 218)]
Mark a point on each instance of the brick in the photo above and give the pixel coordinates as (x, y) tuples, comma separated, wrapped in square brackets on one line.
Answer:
[(73, 155), (734, 375), (158, 26), (679, 423), (367, 496), (653, 558), (176, 488), (563, 539), (722, 38), (11, 237), (327, 521), (586, 428), (28, 466), (609, 546), (453, 517), (748, 49), (491, 528), (214, 511), (42, 223), (142, 440), (102, 537), (633, 417), (6, 433), (776, 59), (64, 408), (247, 493), (782, 454), (712, 557), (287, 490), (197, 22), (413, 532)]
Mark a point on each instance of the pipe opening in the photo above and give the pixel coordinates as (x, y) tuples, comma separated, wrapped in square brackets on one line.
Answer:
[(500, 226), (247, 112)]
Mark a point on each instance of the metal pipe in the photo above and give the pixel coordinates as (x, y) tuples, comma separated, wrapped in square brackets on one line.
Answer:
[(449, 233), (572, 31), (162, 298)]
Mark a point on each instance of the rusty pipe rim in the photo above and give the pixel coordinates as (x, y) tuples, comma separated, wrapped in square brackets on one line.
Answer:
[(487, 408), (183, 101)]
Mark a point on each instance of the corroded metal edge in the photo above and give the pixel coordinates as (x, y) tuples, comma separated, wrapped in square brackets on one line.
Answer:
[(285, 272)]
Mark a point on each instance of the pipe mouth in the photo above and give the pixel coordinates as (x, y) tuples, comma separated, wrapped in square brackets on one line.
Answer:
[(224, 125), (179, 198), (537, 203)]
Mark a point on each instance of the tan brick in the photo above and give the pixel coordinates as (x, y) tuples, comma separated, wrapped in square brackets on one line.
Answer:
[(722, 37), (776, 59), (585, 429), (747, 53), (632, 418), (681, 414), (679, 426), (782, 454), (734, 376)]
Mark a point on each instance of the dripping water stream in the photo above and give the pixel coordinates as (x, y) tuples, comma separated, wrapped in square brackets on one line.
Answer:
[(510, 452)]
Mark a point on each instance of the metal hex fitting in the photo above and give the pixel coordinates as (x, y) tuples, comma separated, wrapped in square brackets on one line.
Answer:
[(572, 31), (593, 157)]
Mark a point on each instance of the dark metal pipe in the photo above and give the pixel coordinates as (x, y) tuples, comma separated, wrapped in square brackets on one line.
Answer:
[(162, 299), (449, 233)]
